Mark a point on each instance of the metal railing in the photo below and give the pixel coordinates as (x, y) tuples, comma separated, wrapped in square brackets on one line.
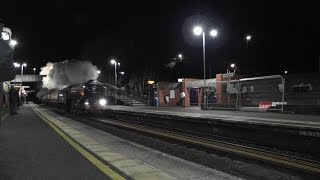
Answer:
[(126, 96), (256, 94)]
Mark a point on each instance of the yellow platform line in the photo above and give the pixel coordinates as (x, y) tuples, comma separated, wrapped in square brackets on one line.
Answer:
[(100, 165)]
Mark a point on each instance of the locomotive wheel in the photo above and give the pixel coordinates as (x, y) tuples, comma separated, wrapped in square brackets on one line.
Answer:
[(73, 108), (77, 111)]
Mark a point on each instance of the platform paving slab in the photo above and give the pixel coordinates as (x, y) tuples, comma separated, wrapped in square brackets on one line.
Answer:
[(134, 160)]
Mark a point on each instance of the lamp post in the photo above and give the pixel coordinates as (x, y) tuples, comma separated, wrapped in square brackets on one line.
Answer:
[(233, 66), (23, 65), (198, 31), (17, 65), (115, 71), (248, 38), (34, 71), (150, 82)]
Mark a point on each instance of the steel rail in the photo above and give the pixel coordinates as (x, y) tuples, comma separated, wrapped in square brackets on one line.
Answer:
[(236, 149)]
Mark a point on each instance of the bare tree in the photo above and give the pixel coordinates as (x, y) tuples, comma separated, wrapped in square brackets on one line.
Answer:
[(138, 81)]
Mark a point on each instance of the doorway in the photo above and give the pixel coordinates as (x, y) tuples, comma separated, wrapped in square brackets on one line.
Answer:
[(194, 92)]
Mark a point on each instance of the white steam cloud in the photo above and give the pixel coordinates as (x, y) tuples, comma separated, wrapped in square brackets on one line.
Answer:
[(62, 74)]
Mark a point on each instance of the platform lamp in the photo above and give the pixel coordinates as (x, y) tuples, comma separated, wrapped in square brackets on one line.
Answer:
[(197, 30), (150, 82), (114, 62), (234, 67)]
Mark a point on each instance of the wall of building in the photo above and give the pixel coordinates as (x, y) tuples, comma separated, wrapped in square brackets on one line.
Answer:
[(172, 101), (302, 93), (186, 101)]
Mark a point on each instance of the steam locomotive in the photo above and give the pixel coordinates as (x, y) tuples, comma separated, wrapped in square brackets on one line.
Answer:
[(89, 97)]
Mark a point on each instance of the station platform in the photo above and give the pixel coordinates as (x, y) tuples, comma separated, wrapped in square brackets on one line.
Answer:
[(262, 118), (30, 149), (286, 132), (40, 144)]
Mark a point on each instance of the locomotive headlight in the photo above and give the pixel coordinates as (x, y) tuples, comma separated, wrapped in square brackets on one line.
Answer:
[(102, 102), (5, 36)]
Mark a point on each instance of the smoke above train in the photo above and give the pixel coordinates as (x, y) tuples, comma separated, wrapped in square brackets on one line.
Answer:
[(62, 74)]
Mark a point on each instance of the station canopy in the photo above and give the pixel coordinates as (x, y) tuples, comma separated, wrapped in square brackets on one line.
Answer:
[(200, 83)]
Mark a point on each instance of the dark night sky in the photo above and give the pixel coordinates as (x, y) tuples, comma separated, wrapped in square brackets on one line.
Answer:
[(147, 34)]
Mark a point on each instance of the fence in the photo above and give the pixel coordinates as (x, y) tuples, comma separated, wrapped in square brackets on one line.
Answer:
[(254, 94), (125, 96), (223, 94)]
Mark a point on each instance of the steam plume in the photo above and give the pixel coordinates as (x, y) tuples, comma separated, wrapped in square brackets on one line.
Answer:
[(62, 74)]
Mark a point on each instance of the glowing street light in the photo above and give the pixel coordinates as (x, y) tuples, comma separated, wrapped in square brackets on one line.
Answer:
[(232, 65), (285, 72), (198, 31), (180, 56), (16, 65), (122, 73), (213, 33), (34, 71), (248, 37), (98, 72)]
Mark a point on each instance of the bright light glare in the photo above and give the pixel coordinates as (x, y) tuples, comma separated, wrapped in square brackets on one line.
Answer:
[(213, 33), (232, 65), (122, 72), (34, 69), (180, 56), (5, 36), (102, 102), (16, 64), (24, 64), (113, 61), (118, 64), (248, 37), (98, 72), (13, 43), (286, 72), (86, 103), (197, 30)]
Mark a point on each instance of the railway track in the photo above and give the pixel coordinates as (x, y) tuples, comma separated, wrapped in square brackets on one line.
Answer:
[(275, 158)]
